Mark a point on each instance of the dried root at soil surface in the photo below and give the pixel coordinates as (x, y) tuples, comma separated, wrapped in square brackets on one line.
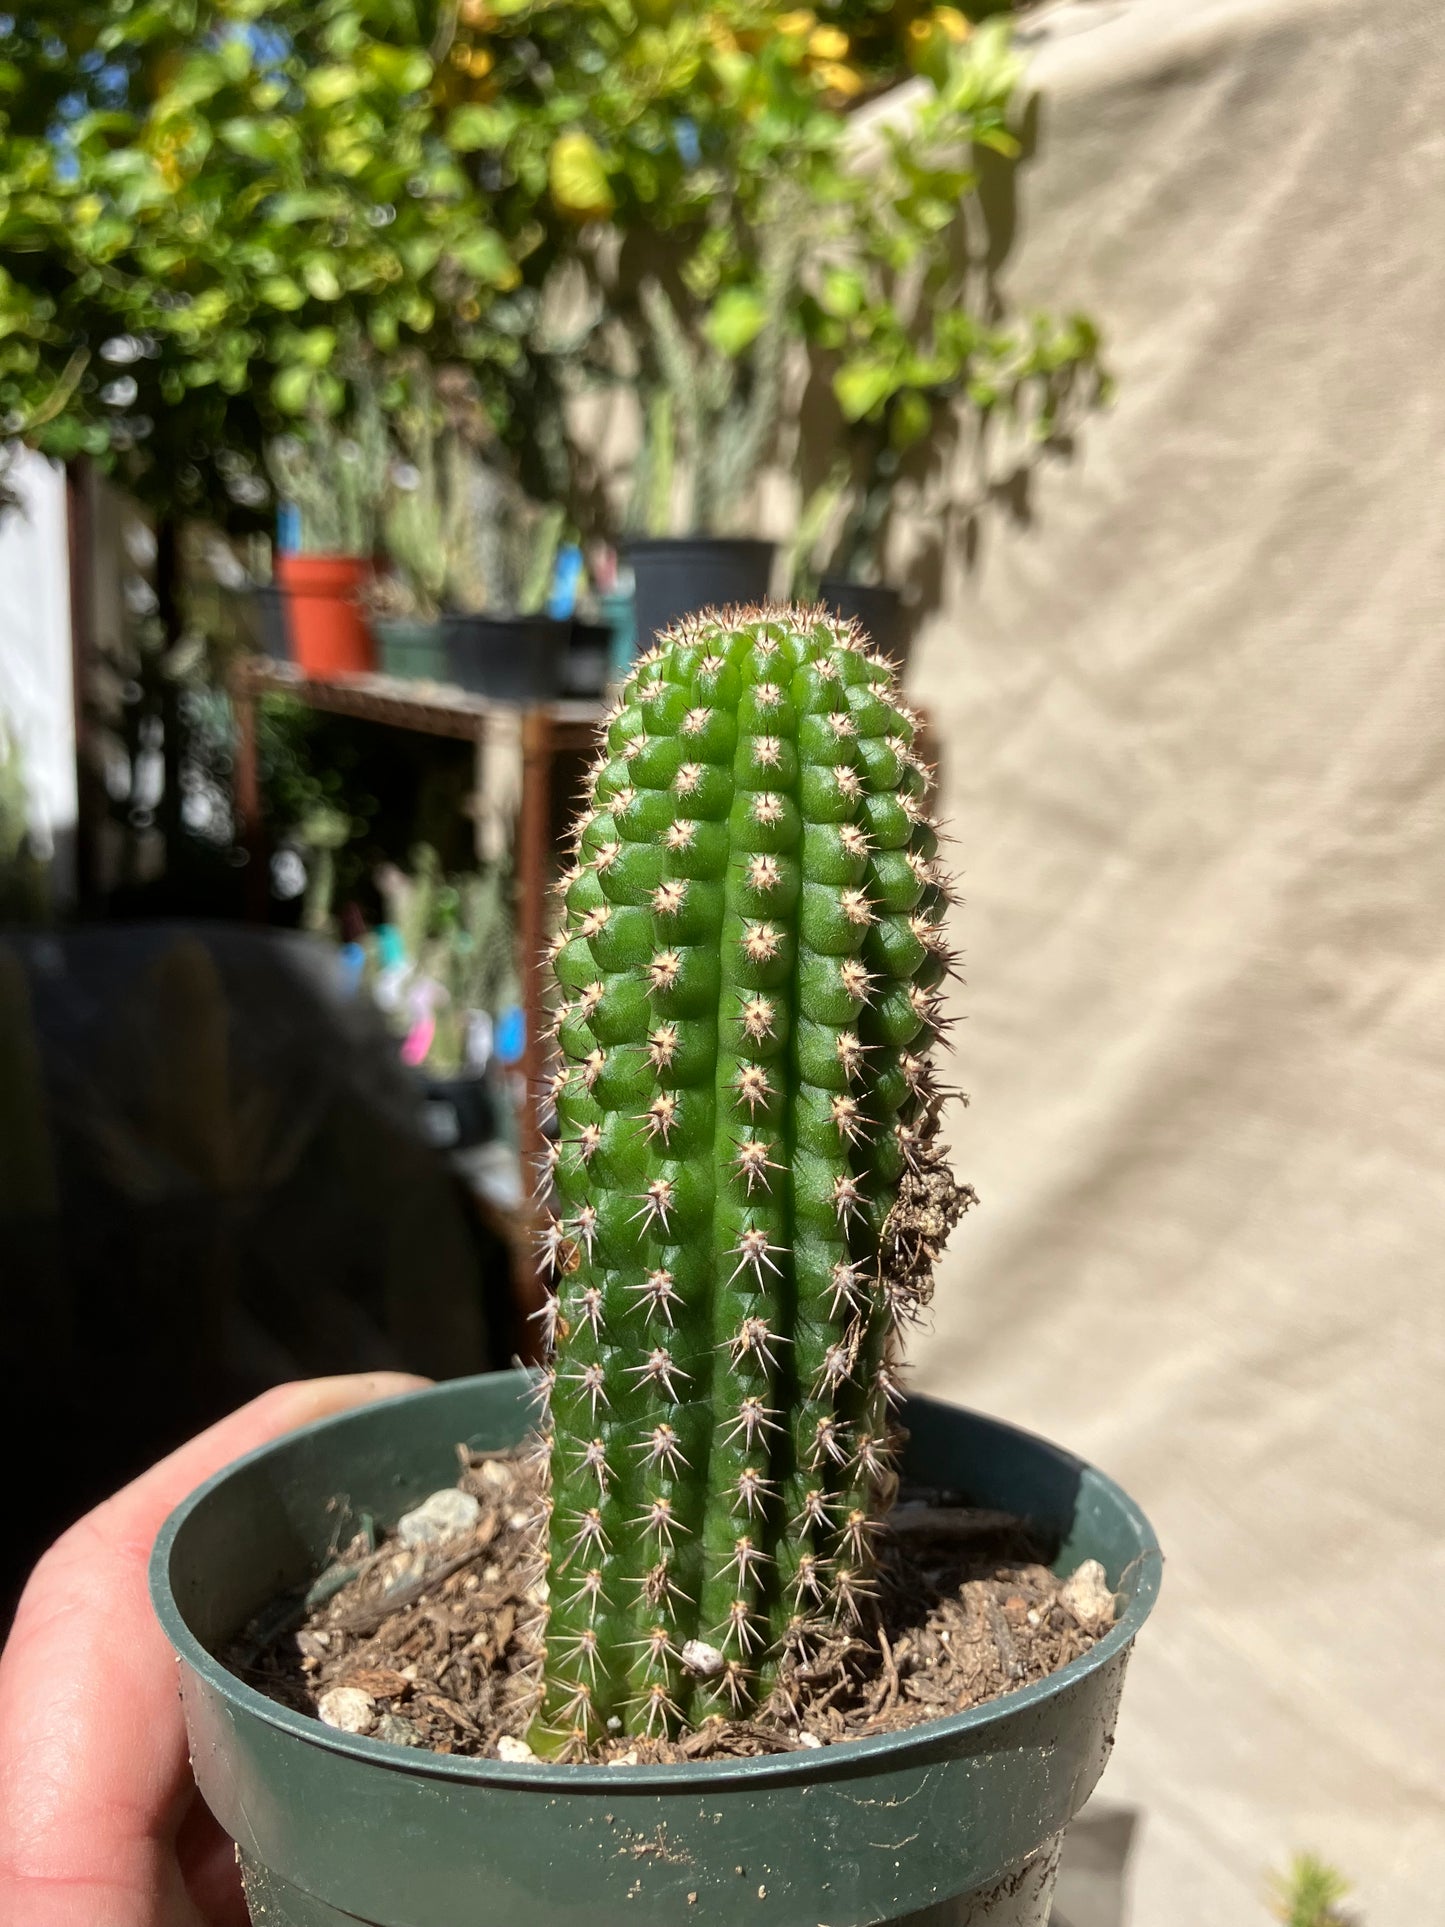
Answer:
[(439, 1646)]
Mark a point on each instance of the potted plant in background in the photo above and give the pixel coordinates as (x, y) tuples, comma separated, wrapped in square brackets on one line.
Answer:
[(750, 1198), (501, 552), (711, 392), (419, 533), (329, 481), (442, 968)]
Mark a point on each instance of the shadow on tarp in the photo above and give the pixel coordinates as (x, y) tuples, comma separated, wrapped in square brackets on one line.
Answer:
[(1093, 1874), (213, 1178)]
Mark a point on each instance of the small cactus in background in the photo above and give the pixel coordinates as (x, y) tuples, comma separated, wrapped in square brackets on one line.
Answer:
[(334, 474), (749, 1196), (419, 520), (713, 411), (1309, 1894), (502, 547)]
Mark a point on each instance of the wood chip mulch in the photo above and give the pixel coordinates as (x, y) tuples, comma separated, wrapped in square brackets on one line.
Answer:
[(435, 1642)]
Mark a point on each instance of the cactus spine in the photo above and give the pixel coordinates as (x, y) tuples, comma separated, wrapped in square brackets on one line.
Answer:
[(748, 966)]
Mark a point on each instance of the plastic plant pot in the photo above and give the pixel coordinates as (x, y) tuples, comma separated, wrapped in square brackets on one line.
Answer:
[(459, 1112), (415, 651), (955, 1823), (328, 628), (877, 609), (517, 659), (272, 631), (676, 576), (589, 652)]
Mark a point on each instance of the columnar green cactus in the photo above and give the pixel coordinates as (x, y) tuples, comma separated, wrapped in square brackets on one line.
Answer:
[(749, 961)]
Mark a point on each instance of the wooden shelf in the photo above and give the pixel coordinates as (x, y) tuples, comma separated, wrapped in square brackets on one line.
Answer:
[(431, 708)]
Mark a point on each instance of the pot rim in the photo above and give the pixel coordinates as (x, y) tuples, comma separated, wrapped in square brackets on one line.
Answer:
[(504, 619), (555, 1777), (309, 559), (644, 544)]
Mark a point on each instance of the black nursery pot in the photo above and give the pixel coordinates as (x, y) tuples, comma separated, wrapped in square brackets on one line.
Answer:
[(517, 659), (676, 576), (459, 1112), (956, 1823), (877, 609), (589, 649), (273, 630)]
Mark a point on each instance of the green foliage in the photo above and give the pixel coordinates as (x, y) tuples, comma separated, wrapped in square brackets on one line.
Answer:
[(902, 298), (1309, 1893), (321, 834), (746, 1117), (201, 204), (24, 876)]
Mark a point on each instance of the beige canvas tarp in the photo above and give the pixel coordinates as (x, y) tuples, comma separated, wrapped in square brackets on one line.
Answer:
[(1192, 722)]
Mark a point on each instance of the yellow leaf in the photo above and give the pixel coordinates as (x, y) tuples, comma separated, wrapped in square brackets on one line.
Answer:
[(578, 178), (839, 79), (828, 43)]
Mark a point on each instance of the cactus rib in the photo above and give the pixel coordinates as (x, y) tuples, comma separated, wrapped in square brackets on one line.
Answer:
[(748, 963)]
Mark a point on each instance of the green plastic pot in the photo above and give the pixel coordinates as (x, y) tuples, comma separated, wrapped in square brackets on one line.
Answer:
[(955, 1823), (411, 649)]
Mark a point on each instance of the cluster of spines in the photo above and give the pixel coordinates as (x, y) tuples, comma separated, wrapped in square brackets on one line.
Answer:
[(747, 970)]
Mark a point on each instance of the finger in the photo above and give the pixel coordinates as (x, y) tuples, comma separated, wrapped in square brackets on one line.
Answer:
[(94, 1780), (208, 1867)]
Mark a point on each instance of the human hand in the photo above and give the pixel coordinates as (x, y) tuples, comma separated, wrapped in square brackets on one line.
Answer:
[(100, 1822)]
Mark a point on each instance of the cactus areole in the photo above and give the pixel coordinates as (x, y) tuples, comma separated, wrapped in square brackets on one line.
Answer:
[(748, 1198)]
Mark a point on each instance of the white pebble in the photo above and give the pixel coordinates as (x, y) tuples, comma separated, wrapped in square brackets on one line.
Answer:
[(445, 1515), (809, 1739), (700, 1658), (348, 1709), (1086, 1594), (514, 1750)]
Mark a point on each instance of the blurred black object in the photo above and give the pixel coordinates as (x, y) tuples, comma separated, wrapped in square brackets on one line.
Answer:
[(460, 1112), (588, 655), (273, 630), (876, 608), (214, 1176)]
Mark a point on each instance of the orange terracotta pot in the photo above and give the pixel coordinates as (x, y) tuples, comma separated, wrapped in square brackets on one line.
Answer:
[(328, 625)]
